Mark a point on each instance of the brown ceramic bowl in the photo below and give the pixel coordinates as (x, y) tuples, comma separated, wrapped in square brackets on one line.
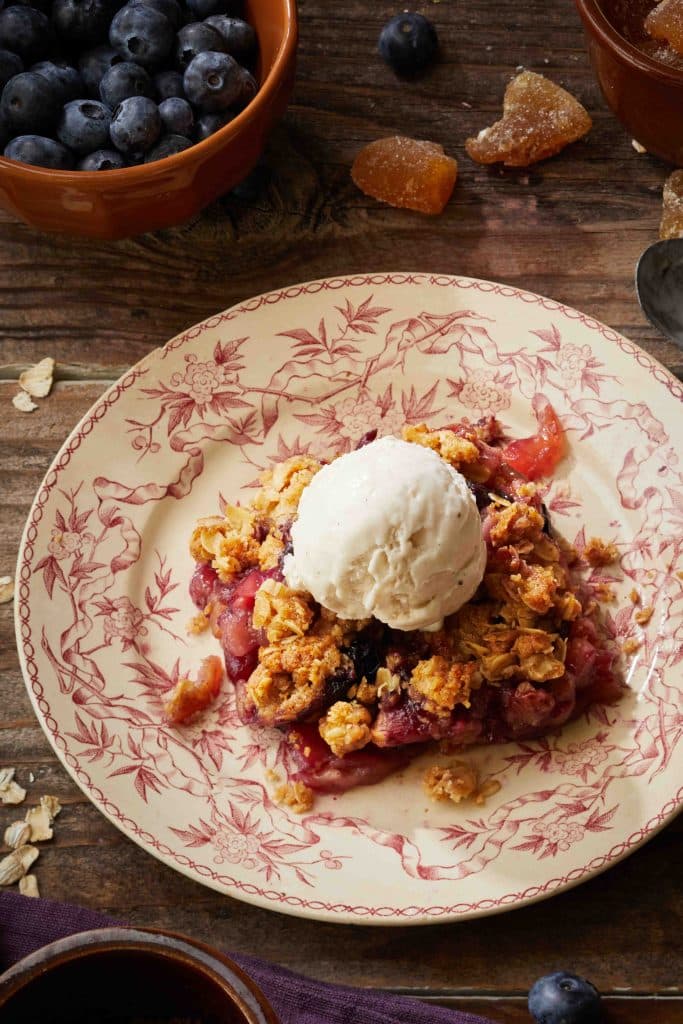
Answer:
[(645, 94), (124, 974), (117, 204)]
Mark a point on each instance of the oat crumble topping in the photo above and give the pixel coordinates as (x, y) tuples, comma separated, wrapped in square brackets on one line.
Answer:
[(345, 727), (598, 552), (643, 616), (296, 796)]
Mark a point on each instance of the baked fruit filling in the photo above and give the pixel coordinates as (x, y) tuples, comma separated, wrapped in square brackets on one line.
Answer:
[(356, 698)]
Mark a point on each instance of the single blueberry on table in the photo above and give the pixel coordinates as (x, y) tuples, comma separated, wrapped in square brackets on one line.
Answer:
[(169, 145), (194, 39), (177, 116), (408, 43), (208, 124), (141, 34), (26, 32), (124, 80), (135, 125), (38, 150), (563, 998), (238, 36), (102, 160), (168, 84), (84, 126), (81, 23), (93, 65), (29, 104), (10, 65), (213, 81), (65, 80)]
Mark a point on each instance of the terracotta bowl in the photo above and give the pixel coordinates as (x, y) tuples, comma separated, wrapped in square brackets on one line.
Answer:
[(645, 94), (117, 204), (120, 974)]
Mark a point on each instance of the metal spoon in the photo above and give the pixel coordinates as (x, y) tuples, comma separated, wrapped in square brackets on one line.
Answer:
[(659, 287)]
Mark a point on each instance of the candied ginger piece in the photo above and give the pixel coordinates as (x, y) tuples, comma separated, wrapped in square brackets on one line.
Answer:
[(411, 173), (665, 22), (539, 119), (671, 224)]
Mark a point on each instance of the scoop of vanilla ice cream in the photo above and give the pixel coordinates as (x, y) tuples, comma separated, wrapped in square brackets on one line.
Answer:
[(389, 530)]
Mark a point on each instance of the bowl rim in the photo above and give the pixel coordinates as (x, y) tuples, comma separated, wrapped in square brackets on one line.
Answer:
[(214, 966), (133, 175), (597, 22)]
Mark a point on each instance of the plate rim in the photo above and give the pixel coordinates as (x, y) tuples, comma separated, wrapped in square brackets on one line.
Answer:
[(279, 901)]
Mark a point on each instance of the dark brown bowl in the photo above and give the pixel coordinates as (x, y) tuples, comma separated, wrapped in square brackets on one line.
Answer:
[(645, 94), (128, 975), (118, 204)]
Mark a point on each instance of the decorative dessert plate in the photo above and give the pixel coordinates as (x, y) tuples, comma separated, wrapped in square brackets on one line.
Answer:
[(102, 602)]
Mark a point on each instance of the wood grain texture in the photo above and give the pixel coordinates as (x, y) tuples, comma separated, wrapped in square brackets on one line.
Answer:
[(571, 228)]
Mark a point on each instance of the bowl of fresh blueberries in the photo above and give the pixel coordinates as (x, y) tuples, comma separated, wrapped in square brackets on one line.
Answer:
[(124, 116)]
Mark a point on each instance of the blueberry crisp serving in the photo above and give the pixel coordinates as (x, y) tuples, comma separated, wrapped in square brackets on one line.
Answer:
[(408, 596), (97, 85)]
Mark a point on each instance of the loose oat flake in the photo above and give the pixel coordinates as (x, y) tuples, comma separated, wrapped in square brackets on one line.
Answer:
[(16, 864), (22, 402), (28, 886), (10, 791), (37, 380), (6, 589), (17, 834)]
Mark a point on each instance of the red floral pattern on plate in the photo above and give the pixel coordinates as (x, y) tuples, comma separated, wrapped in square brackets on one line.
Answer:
[(102, 600)]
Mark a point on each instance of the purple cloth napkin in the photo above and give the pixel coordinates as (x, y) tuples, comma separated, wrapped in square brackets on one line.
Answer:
[(27, 924)]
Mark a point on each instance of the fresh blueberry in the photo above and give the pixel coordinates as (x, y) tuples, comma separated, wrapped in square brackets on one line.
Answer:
[(6, 132), (93, 65), (84, 126), (177, 116), (169, 8), (81, 23), (136, 125), (201, 9), (238, 36), (10, 65), (168, 84), (26, 32), (213, 81), (169, 145), (563, 998), (141, 34), (124, 80), (35, 149), (248, 88), (102, 160), (65, 80), (408, 43), (208, 124), (194, 39), (29, 104)]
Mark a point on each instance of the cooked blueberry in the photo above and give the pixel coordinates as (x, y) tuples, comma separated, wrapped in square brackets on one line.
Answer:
[(35, 149), (238, 36), (563, 998), (194, 39), (124, 80), (213, 81), (136, 125), (29, 104), (210, 123), (65, 80), (93, 65), (26, 32), (168, 84), (169, 145), (84, 126), (141, 34), (10, 65), (408, 43), (102, 160), (81, 22), (177, 117), (201, 9), (169, 8)]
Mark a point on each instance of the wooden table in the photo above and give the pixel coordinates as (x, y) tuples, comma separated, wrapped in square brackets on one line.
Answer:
[(571, 228)]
